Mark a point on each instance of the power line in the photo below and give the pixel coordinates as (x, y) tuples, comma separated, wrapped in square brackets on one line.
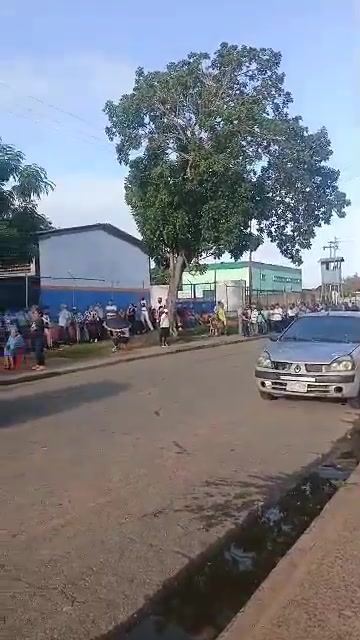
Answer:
[(76, 135), (38, 119), (48, 104)]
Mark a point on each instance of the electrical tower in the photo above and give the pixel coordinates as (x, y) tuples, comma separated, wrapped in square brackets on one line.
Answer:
[(331, 274)]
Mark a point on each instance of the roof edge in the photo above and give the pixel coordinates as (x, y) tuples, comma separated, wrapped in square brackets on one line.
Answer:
[(213, 266), (99, 226)]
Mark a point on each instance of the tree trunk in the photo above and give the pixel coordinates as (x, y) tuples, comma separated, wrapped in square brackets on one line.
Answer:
[(176, 270)]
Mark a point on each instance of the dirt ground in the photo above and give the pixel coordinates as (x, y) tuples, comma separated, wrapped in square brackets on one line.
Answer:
[(112, 479)]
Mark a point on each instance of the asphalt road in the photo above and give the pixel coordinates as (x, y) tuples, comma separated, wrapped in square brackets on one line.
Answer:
[(110, 480)]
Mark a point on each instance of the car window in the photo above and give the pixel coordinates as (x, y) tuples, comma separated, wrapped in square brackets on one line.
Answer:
[(324, 329)]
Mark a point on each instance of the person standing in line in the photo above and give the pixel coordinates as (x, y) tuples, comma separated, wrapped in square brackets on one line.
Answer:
[(221, 316), (100, 311), (265, 315), (240, 320), (64, 321), (145, 318), (261, 321), (38, 339), (131, 316), (254, 320), (110, 309), (164, 328), (246, 322), (277, 318), (47, 329), (159, 310), (292, 313)]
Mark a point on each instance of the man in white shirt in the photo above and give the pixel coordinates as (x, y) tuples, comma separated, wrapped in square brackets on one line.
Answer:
[(292, 313), (277, 318), (254, 320), (144, 315), (64, 321), (110, 308)]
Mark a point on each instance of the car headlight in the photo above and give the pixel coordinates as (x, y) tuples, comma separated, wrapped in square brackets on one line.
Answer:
[(264, 361), (344, 363)]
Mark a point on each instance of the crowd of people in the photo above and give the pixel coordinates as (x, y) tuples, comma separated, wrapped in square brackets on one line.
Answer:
[(37, 330), (258, 319)]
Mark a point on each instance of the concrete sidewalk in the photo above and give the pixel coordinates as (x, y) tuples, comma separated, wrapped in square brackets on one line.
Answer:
[(314, 592), (8, 379)]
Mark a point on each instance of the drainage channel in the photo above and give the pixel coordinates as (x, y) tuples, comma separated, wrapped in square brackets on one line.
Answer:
[(207, 596)]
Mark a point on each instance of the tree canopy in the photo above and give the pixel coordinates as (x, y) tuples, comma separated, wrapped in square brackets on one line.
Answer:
[(21, 187), (211, 148), (351, 284)]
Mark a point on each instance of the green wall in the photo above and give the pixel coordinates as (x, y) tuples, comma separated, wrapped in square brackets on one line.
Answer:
[(266, 277)]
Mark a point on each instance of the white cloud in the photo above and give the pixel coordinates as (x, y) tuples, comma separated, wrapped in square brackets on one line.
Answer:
[(73, 148), (82, 163), (79, 83), (85, 199)]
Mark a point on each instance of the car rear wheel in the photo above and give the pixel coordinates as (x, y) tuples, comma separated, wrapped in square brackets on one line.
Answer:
[(266, 396)]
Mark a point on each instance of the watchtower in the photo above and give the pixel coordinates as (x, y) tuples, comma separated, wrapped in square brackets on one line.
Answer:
[(331, 274)]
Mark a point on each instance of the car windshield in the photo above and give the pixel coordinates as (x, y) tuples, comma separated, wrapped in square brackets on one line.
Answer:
[(324, 329)]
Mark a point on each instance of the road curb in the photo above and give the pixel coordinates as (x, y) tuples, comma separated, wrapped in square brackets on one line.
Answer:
[(256, 618), (97, 364)]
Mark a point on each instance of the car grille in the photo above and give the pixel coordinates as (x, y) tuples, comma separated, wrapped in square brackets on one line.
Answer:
[(282, 366), (309, 367), (314, 368)]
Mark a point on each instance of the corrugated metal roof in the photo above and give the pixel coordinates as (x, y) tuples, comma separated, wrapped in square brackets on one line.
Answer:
[(101, 226)]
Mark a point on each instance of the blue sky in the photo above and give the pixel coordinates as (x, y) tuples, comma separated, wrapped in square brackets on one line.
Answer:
[(76, 54)]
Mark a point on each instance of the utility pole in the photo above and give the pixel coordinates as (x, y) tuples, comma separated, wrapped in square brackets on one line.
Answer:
[(250, 266), (333, 248)]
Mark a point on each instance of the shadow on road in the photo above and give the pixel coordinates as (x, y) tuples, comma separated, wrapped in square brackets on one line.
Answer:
[(264, 516), (221, 500), (18, 411)]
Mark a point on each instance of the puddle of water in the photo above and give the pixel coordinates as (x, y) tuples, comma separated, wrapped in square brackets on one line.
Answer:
[(206, 598)]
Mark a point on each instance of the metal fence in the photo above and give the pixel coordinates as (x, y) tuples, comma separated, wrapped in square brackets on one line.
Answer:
[(235, 295), (268, 298)]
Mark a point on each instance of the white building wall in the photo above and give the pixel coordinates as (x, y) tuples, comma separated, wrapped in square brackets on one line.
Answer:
[(92, 259)]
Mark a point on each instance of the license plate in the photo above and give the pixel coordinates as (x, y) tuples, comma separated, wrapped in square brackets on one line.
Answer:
[(297, 387)]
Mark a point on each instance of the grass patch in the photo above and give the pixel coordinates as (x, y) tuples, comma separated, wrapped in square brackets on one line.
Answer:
[(83, 351), (99, 349)]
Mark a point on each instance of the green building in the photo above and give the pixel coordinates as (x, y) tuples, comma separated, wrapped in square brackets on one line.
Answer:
[(267, 278)]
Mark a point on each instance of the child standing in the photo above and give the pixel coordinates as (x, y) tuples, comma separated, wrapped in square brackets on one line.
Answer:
[(14, 345)]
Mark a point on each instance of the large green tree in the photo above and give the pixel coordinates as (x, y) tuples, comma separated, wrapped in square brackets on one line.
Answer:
[(21, 187), (217, 163)]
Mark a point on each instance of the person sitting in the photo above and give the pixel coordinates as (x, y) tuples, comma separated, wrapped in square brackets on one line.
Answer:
[(14, 346), (118, 328)]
